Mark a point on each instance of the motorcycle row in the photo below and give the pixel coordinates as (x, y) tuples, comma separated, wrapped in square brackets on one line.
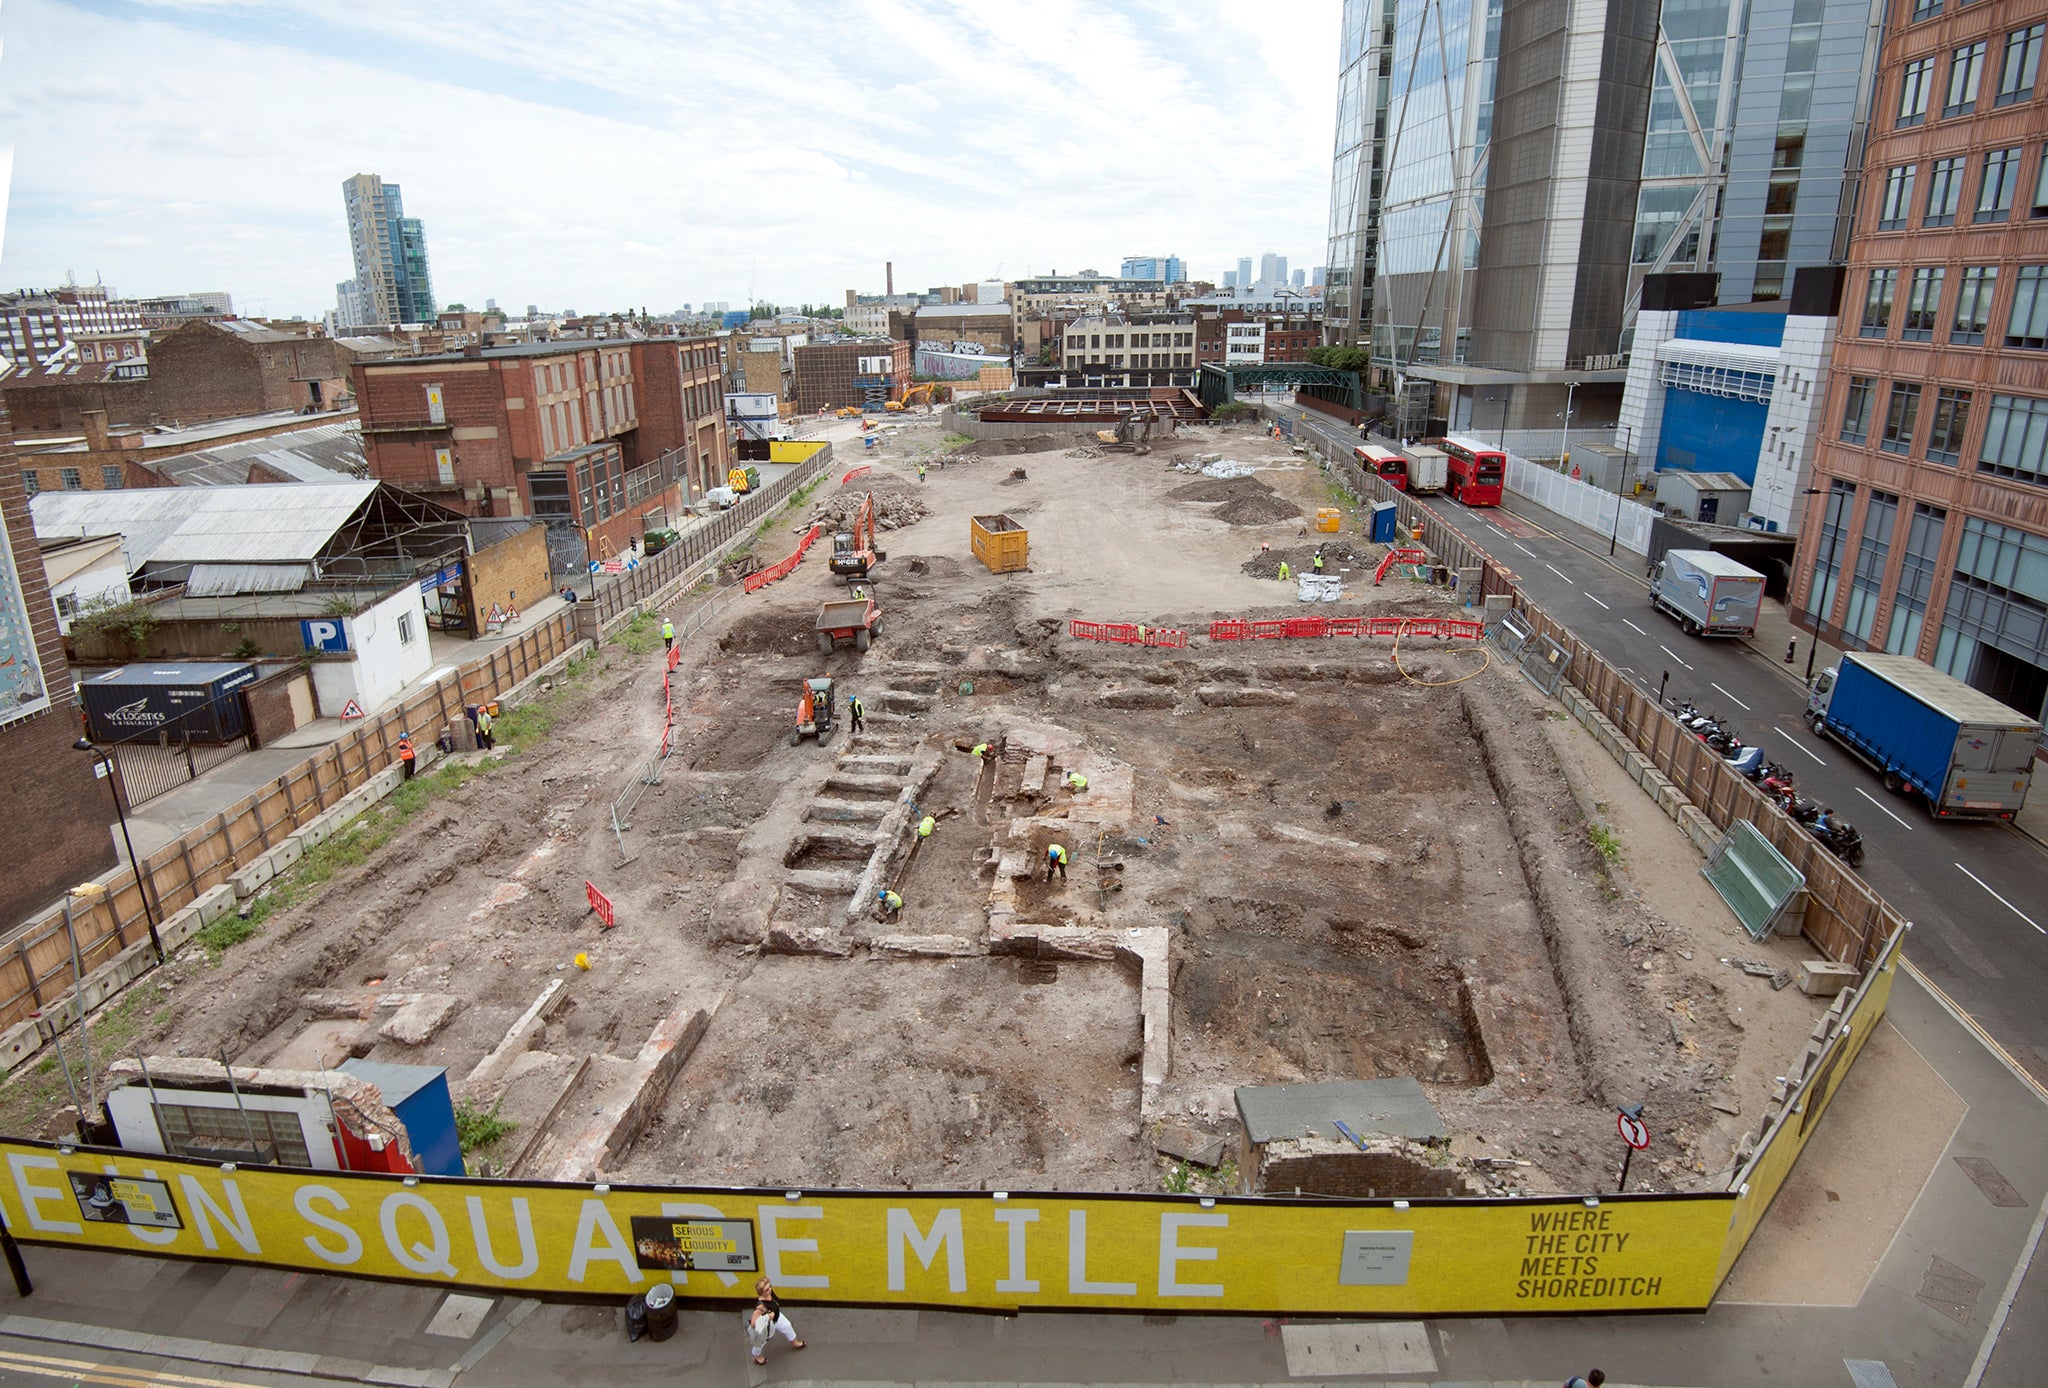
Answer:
[(1837, 835)]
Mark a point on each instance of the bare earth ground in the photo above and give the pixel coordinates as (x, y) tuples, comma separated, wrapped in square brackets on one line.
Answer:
[(1362, 872)]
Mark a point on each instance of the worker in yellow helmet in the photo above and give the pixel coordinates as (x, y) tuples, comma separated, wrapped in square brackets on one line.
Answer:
[(1056, 861)]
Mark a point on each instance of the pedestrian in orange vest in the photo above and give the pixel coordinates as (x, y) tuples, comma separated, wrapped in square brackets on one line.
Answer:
[(406, 754)]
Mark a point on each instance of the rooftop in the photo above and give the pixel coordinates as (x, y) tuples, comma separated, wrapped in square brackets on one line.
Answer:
[(282, 523), (330, 452)]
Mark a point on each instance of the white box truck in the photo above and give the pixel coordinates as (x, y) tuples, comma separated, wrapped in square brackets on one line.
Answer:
[(1710, 594), (1928, 734), (1428, 470)]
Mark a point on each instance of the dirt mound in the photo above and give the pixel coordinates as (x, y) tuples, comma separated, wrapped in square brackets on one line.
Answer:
[(1244, 500), (894, 509), (1300, 559), (1023, 443)]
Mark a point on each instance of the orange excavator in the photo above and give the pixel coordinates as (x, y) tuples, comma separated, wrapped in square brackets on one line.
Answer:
[(853, 551), (815, 713)]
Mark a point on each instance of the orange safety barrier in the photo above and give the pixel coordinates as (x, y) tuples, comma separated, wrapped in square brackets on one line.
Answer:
[(863, 470), (601, 904), (1300, 628), (1399, 556), (1128, 634), (785, 567), (1229, 629)]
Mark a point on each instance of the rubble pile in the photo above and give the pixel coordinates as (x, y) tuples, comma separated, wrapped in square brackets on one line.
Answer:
[(894, 509)]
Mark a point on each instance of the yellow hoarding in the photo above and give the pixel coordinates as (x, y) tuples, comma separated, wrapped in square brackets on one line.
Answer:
[(972, 1251)]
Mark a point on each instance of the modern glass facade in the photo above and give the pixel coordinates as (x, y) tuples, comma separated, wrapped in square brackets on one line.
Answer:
[(392, 280), (1365, 52)]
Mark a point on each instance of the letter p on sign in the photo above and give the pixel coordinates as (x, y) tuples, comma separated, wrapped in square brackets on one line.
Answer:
[(324, 634)]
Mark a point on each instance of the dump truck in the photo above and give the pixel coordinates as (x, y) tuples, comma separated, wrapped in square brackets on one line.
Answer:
[(1927, 734), (1710, 594), (850, 619)]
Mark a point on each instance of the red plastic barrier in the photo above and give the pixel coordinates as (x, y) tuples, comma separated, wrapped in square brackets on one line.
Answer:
[(1229, 629), (1465, 631), (601, 904), (1399, 556), (1345, 626), (1295, 627), (1268, 631), (783, 568), (863, 470), (1127, 634)]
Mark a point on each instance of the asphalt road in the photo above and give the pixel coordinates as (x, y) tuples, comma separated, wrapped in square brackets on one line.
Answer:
[(1973, 891)]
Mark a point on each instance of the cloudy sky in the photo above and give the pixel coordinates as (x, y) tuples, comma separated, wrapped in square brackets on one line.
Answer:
[(593, 154)]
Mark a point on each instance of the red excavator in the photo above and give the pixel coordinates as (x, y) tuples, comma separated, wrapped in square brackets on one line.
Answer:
[(853, 551)]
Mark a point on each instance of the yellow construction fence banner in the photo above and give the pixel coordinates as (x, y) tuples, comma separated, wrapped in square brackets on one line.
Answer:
[(973, 1251)]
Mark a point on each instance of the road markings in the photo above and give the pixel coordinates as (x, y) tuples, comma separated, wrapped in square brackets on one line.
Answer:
[(1882, 806), (1525, 549), (1744, 707), (1559, 572), (1796, 743), (87, 1371), (2001, 900), (1633, 627), (1668, 651), (1603, 606)]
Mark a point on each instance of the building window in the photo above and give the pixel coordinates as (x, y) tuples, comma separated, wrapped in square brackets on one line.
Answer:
[(1916, 579), (1856, 413), (2021, 66), (2016, 439), (1973, 304), (2001, 180), (1877, 302), (192, 1129), (1965, 67), (405, 628), (1944, 193), (31, 481), (1951, 421), (1901, 418), (1872, 550), (1913, 88), (1925, 9), (2027, 326), (73, 481), (111, 476), (1999, 601), (1898, 197), (1820, 594), (1923, 301), (67, 605)]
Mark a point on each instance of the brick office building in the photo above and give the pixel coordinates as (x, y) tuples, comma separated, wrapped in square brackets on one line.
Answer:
[(598, 439), (205, 369), (47, 790), (1926, 531), (864, 373)]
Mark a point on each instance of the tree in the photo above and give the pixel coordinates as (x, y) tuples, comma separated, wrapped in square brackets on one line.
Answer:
[(456, 308)]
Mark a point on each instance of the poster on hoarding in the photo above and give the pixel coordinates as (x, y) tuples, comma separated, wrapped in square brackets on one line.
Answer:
[(22, 690)]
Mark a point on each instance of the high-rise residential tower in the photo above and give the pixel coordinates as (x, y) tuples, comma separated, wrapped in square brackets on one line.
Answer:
[(390, 249)]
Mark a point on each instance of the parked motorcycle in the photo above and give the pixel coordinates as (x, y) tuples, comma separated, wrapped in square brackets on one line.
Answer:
[(1839, 838)]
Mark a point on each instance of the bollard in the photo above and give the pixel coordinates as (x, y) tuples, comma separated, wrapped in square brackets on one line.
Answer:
[(1791, 647)]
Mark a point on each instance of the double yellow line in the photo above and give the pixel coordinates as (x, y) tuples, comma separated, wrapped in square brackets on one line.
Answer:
[(120, 1376)]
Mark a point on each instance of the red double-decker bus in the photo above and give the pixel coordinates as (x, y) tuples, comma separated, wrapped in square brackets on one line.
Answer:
[(1389, 466), (1477, 471)]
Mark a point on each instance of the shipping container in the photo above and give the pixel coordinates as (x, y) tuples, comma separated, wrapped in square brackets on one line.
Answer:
[(1964, 752), (1002, 544), (195, 703)]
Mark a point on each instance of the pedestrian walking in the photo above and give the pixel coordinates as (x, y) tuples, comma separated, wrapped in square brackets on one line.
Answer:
[(857, 711), (484, 739), (1591, 1380), (668, 634), (1056, 861), (766, 1320), (405, 754), (920, 472)]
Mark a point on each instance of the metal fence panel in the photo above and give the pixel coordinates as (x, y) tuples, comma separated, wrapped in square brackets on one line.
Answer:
[(1592, 507)]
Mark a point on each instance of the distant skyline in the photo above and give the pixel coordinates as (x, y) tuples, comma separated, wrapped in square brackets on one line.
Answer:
[(617, 156)]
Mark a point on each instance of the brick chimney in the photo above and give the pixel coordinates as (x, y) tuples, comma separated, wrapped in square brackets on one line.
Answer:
[(95, 425)]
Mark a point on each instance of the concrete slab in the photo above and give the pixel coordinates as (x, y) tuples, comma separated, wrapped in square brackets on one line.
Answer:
[(1321, 1350), (1371, 1108), (460, 1317)]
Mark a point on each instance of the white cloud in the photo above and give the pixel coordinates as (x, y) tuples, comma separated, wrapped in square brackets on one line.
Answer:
[(606, 154)]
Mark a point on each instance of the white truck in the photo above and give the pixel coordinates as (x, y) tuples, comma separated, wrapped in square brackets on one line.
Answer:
[(1710, 594), (1428, 470)]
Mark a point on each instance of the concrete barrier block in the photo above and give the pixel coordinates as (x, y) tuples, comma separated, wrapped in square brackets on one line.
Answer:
[(214, 904), (253, 878)]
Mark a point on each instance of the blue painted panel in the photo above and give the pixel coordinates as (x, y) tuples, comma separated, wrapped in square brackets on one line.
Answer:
[(1709, 433), (1725, 325)]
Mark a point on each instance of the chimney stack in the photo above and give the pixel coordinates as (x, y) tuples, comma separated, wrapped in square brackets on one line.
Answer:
[(889, 277), (95, 425)]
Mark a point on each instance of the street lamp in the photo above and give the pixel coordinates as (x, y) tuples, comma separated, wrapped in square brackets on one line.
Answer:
[(1827, 563), (105, 761), (1564, 448), (1627, 455), (1502, 401)]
